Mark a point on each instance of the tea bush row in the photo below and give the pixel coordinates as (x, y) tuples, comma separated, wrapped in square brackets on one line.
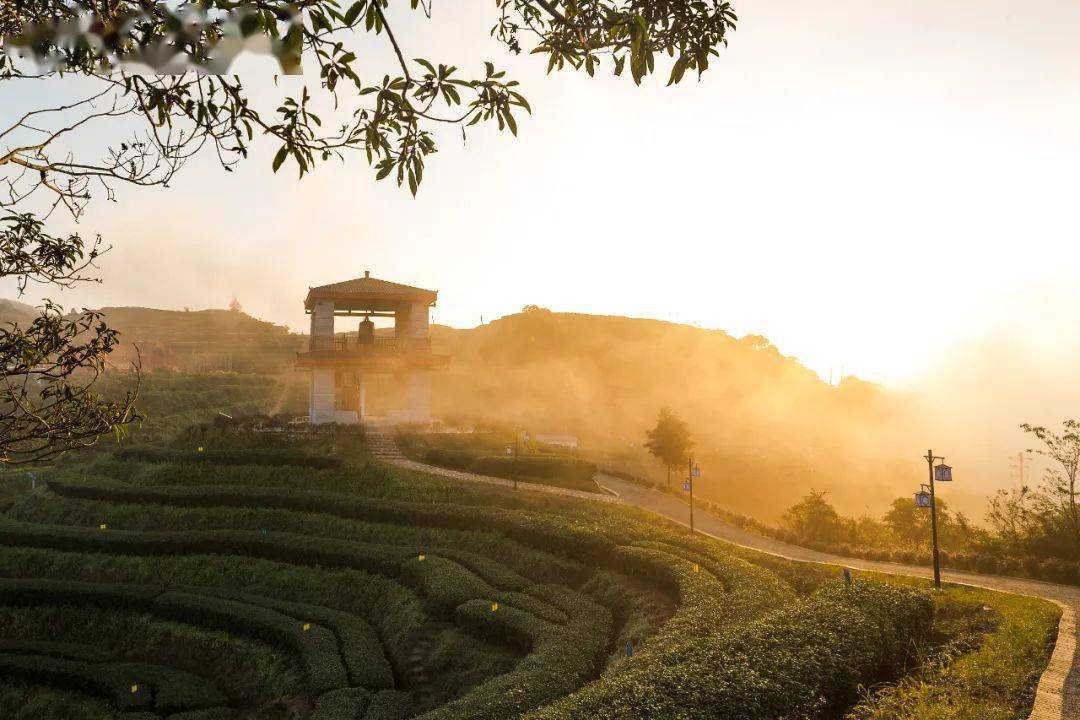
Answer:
[(273, 458), (316, 645), (820, 650), (396, 612), (559, 659), (571, 470), (129, 686)]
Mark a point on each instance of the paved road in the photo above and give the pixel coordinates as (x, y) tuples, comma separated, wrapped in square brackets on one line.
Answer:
[(1058, 695)]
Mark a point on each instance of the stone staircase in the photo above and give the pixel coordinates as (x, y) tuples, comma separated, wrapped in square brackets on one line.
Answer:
[(380, 440)]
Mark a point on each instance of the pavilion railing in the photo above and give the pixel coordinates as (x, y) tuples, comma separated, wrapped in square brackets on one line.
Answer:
[(354, 344)]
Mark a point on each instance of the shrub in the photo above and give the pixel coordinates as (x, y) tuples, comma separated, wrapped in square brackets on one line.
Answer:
[(342, 704), (360, 647), (315, 644), (388, 705), (275, 458), (163, 689), (453, 459), (559, 659), (986, 563), (820, 650), (544, 468), (67, 651)]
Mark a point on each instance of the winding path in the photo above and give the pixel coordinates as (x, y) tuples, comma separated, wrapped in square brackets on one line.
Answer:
[(1058, 694)]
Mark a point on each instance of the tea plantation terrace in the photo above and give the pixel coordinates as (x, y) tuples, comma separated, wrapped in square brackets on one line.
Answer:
[(141, 589)]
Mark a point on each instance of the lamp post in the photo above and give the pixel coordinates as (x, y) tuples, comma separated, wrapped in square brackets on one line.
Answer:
[(941, 473), (692, 471), (517, 439)]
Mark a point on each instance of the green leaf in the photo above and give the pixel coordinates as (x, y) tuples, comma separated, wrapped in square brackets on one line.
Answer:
[(280, 157), (354, 12)]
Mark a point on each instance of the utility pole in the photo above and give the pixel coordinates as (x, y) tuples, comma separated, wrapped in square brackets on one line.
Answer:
[(1019, 467)]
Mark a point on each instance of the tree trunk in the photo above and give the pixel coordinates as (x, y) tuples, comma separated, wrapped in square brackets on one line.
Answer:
[(669, 477)]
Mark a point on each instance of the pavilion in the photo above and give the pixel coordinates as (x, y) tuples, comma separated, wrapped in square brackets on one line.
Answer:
[(340, 363)]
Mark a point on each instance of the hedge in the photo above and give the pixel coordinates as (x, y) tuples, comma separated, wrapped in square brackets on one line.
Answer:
[(453, 459), (316, 645), (444, 583), (66, 651), (546, 467), (580, 544), (219, 713), (821, 651), (388, 705), (274, 458), (130, 686), (287, 547), (342, 704), (560, 657), (360, 647), (449, 517), (393, 609)]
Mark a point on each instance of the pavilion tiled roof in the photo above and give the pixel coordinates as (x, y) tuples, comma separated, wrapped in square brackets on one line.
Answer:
[(368, 287)]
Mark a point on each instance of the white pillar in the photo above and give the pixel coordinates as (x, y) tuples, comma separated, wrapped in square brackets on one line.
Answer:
[(322, 396), (363, 399), (322, 325), (420, 397), (321, 399), (418, 320)]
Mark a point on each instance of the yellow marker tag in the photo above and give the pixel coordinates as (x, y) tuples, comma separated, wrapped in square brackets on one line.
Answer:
[(696, 568), (421, 557), (307, 626), (134, 689), (200, 448), (103, 526), (494, 607)]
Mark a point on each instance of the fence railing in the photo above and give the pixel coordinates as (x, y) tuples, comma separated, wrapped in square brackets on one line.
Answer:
[(353, 344)]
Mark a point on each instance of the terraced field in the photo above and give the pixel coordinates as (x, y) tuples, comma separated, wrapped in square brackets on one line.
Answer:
[(202, 591)]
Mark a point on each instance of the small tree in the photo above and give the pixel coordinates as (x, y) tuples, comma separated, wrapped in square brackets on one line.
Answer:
[(1056, 500), (815, 518), (1011, 515), (669, 441), (911, 524), (235, 305)]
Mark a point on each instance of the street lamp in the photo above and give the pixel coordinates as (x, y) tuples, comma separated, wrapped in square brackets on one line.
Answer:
[(692, 471), (940, 473), (516, 451)]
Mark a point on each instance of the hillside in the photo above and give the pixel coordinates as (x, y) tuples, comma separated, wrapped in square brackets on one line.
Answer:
[(767, 428), (13, 311), (264, 577), (202, 340)]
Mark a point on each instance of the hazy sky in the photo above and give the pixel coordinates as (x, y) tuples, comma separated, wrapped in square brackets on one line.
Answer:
[(868, 184)]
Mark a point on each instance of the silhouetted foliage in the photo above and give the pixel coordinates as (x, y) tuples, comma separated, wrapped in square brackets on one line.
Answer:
[(48, 366), (669, 440)]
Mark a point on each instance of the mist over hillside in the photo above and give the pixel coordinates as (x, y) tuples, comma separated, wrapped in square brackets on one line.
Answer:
[(13, 311), (767, 428), (201, 340)]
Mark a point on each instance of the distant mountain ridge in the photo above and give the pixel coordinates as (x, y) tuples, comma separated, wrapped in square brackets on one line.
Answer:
[(13, 311), (188, 340), (201, 340), (767, 428)]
